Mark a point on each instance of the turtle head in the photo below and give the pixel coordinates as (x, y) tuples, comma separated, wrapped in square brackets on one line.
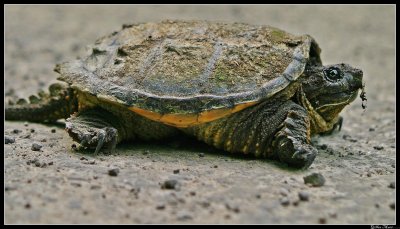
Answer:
[(330, 88)]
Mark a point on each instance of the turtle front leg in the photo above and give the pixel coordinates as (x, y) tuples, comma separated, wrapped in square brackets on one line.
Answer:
[(277, 130), (291, 143), (95, 128)]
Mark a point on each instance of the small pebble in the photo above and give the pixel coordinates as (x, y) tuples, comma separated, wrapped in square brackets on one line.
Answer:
[(113, 172), (322, 220), (392, 185), (304, 196), (333, 215), (346, 136), (232, 207), (32, 130), (377, 205), (28, 135), (76, 184), (183, 215), (315, 179), (160, 206), (371, 129), (192, 193), (8, 188), (201, 154), (296, 202), (33, 161), (169, 184), (9, 140), (392, 205), (16, 131), (284, 192), (27, 206), (26, 124), (176, 171), (378, 147), (323, 146), (93, 187), (135, 191), (53, 130), (330, 151), (205, 204), (285, 201), (36, 146)]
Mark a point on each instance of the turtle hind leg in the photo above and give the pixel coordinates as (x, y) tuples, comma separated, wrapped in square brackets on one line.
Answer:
[(95, 128), (60, 102)]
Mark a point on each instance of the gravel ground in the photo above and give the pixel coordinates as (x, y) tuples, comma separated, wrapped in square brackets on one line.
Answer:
[(181, 181)]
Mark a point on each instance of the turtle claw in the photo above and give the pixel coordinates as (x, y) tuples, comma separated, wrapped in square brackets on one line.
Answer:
[(101, 135), (106, 136), (337, 125), (295, 154), (109, 136), (303, 157), (114, 140)]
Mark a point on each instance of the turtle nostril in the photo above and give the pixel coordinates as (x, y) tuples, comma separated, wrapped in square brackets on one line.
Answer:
[(359, 73)]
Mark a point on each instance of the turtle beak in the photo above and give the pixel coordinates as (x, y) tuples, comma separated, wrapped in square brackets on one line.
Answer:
[(356, 81)]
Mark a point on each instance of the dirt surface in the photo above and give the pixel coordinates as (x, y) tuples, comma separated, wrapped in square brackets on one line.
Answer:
[(55, 184)]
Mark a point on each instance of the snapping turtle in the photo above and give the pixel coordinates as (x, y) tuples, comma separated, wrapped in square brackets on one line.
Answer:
[(241, 88)]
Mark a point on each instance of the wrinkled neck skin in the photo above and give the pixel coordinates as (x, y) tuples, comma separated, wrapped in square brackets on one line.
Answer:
[(326, 90), (317, 122)]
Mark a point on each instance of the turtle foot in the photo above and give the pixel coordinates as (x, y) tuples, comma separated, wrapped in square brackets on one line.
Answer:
[(91, 132)]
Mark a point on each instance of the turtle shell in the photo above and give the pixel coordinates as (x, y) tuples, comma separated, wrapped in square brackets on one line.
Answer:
[(189, 72)]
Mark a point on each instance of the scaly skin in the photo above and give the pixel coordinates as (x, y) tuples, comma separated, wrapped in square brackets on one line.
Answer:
[(270, 129), (274, 129)]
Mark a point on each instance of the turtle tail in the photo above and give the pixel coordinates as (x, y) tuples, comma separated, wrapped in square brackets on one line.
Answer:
[(60, 102)]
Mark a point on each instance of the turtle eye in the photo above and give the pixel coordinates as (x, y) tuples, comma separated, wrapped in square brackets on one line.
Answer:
[(333, 74)]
